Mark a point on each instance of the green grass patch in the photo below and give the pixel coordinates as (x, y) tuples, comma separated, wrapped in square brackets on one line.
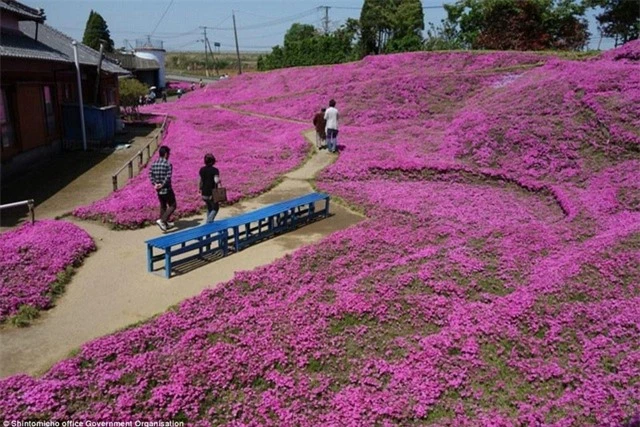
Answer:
[(25, 315)]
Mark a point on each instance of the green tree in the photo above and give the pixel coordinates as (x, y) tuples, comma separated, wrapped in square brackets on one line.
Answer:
[(305, 45), (519, 24), (130, 92), (375, 25), (443, 37), (391, 26), (95, 31), (619, 19), (298, 33)]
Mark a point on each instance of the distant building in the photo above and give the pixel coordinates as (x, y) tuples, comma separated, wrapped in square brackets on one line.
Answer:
[(145, 70), (38, 78), (153, 50)]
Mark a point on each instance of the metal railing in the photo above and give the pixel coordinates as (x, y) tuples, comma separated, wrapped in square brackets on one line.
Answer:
[(29, 203), (139, 156)]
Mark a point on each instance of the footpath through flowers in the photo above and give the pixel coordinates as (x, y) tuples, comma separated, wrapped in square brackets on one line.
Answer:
[(496, 281)]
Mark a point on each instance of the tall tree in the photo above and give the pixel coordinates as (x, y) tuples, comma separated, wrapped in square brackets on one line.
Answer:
[(375, 25), (95, 31), (520, 24), (391, 25), (407, 24), (619, 19)]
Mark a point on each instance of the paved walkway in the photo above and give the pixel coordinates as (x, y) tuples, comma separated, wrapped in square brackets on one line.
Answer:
[(112, 289)]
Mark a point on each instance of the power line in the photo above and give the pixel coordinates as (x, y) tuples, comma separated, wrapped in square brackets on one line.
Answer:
[(261, 25), (162, 17)]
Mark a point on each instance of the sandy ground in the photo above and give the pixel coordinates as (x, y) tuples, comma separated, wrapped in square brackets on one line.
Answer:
[(112, 289)]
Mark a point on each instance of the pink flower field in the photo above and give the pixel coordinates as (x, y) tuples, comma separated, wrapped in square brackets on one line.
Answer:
[(32, 257), (251, 153), (496, 281)]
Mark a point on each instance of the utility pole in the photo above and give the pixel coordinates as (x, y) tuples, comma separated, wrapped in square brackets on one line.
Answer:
[(206, 57), (325, 20), (213, 59), (235, 33)]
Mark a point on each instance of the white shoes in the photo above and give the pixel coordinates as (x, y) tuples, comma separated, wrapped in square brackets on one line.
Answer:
[(162, 225)]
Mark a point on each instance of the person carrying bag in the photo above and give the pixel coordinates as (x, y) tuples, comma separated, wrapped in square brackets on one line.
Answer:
[(212, 193)]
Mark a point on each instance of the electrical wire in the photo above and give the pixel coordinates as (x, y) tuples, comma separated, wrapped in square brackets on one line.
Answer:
[(261, 25), (162, 17)]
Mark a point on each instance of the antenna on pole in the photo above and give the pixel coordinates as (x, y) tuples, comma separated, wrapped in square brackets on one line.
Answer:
[(235, 33)]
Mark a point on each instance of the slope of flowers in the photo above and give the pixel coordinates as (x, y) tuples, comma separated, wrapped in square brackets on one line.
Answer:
[(251, 153), (32, 256), (495, 283)]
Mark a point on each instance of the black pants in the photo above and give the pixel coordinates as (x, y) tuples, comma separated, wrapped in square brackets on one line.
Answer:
[(167, 205)]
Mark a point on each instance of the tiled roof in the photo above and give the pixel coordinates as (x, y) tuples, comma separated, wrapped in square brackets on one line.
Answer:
[(52, 45), (18, 45), (21, 10)]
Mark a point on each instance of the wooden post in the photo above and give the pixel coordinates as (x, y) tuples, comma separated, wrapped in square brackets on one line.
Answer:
[(130, 169), (114, 179)]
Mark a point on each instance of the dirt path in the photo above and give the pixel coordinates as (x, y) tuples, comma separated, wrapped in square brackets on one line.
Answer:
[(113, 289)]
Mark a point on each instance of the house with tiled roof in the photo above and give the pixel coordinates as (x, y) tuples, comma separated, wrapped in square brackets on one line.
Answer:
[(39, 89)]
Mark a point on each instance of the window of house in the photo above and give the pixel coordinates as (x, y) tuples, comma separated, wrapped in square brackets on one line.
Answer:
[(6, 127), (49, 113)]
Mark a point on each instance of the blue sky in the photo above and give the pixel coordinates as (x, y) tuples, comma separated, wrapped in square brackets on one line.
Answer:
[(261, 23)]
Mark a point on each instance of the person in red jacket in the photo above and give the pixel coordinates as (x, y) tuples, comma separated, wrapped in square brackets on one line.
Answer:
[(320, 124)]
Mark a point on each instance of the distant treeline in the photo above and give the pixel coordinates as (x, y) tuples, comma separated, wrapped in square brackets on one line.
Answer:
[(388, 26)]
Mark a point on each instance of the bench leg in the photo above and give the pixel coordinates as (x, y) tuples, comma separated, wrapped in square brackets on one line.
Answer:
[(326, 208), (149, 258), (236, 238), (223, 242), (294, 218), (167, 264)]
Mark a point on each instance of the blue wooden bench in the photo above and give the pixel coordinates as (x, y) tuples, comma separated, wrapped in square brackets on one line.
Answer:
[(235, 233)]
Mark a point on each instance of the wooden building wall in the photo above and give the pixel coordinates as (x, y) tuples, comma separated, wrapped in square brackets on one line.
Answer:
[(23, 82)]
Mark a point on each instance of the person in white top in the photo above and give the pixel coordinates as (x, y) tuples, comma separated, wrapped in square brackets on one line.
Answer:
[(331, 116)]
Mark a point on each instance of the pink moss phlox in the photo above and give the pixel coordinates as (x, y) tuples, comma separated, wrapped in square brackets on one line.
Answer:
[(32, 256)]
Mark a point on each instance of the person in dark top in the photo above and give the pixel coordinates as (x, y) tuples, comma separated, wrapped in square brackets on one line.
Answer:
[(209, 179), (320, 124), (160, 176)]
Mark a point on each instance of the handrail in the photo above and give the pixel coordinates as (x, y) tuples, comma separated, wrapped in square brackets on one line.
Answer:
[(30, 203), (139, 154)]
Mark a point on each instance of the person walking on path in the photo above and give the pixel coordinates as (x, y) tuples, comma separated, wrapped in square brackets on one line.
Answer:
[(209, 179), (320, 124), (160, 175), (331, 116)]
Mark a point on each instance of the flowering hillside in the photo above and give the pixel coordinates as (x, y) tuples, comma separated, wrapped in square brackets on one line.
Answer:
[(251, 153), (495, 283), (31, 259)]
